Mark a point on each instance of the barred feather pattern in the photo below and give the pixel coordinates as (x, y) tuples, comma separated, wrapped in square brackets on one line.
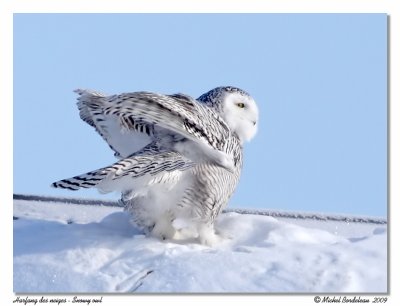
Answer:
[(219, 183), (132, 167), (177, 113)]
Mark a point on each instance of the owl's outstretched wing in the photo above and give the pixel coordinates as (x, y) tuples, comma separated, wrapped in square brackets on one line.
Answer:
[(130, 121), (130, 172)]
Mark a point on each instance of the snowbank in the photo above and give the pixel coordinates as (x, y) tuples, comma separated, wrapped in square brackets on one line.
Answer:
[(62, 248)]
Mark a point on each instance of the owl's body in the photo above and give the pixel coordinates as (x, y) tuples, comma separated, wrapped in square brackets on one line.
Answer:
[(180, 158)]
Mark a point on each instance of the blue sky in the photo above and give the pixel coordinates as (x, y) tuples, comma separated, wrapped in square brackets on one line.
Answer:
[(320, 81)]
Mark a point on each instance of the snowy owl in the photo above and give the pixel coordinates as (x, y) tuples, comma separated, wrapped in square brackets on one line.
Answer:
[(180, 158)]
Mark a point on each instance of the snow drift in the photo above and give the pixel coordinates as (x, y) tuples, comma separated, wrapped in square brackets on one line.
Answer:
[(64, 248)]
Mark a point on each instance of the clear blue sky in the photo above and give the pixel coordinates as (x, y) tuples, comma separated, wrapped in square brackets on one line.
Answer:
[(320, 81)]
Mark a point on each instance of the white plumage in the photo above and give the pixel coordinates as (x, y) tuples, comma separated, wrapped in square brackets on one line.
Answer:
[(180, 159)]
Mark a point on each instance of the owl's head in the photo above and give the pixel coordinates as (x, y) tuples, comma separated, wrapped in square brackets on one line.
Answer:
[(237, 108)]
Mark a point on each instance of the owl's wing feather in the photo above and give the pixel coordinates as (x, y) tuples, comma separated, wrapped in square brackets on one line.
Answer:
[(140, 167), (130, 114), (124, 137)]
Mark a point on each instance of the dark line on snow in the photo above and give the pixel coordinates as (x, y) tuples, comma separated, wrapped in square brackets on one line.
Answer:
[(270, 213)]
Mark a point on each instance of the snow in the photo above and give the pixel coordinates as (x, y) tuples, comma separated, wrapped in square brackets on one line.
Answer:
[(64, 248)]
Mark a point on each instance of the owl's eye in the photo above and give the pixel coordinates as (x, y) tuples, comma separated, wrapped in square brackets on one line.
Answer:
[(241, 105)]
